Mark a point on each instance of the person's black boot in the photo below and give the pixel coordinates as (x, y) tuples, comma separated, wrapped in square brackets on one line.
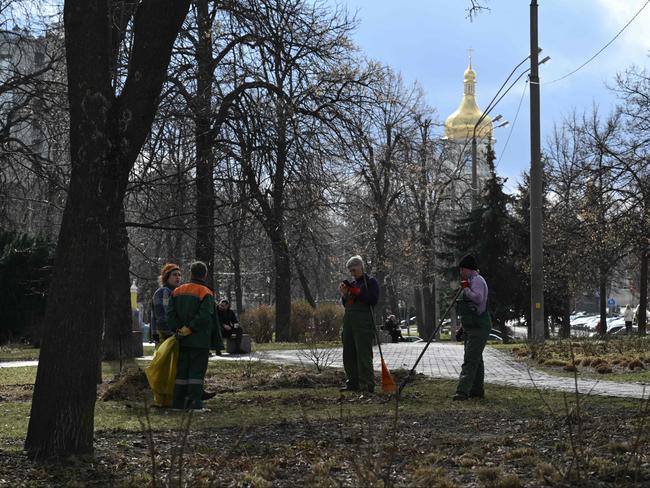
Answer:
[(460, 397), (206, 395), (480, 395)]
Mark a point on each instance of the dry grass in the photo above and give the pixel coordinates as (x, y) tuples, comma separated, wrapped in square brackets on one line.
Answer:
[(622, 357)]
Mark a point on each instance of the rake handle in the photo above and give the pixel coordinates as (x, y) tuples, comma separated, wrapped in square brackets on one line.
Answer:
[(433, 334)]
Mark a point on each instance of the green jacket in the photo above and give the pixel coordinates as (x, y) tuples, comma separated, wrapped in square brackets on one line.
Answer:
[(192, 304)]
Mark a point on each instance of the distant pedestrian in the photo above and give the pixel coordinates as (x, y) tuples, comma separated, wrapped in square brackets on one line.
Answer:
[(476, 325), (191, 314), (169, 279), (358, 297), (628, 316)]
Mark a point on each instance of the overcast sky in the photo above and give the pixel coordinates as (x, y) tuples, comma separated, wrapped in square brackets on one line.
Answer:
[(427, 41)]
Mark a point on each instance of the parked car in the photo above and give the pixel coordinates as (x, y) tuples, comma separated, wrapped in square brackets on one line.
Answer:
[(412, 339), (622, 332), (497, 333), (404, 325)]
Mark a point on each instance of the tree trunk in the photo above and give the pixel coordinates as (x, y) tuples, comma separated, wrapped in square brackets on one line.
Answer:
[(62, 414), (392, 297), (236, 265), (565, 331), (205, 200), (427, 312), (282, 287), (417, 300), (602, 302), (106, 135), (305, 285), (643, 293), (380, 267), (118, 320), (436, 305)]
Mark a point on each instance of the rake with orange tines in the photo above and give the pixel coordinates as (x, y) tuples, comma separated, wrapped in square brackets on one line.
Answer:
[(388, 384)]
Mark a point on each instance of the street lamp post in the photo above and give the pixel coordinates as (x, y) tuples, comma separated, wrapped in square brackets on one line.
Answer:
[(536, 198), (475, 155), (495, 100)]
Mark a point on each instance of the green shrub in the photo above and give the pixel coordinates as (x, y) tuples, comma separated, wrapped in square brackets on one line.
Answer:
[(259, 323), (302, 315), (25, 267), (328, 319)]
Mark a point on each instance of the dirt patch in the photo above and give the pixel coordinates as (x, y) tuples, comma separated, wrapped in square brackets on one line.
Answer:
[(131, 385), (283, 377), (288, 377), (16, 393), (460, 447)]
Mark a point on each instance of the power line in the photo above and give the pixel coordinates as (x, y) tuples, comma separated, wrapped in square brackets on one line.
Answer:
[(523, 92), (602, 48)]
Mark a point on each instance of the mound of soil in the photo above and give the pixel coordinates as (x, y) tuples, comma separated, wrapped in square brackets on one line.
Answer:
[(16, 393), (130, 385)]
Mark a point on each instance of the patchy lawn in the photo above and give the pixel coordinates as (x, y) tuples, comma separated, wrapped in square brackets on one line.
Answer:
[(616, 359), (23, 352), (285, 346), (18, 352), (273, 425)]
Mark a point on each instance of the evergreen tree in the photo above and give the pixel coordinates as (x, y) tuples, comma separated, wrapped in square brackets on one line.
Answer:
[(487, 233), (25, 267), (560, 254)]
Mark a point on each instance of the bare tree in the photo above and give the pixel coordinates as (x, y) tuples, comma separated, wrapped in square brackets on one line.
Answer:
[(303, 59), (107, 131)]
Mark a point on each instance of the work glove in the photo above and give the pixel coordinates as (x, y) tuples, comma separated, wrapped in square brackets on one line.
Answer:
[(184, 331), (464, 284), (459, 335)]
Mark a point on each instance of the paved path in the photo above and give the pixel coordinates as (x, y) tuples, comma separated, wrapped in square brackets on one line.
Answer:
[(443, 360)]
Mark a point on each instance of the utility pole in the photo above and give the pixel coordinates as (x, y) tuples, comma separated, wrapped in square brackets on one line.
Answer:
[(536, 192)]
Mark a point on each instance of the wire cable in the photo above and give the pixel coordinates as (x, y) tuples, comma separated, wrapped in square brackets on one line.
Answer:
[(512, 127), (602, 48)]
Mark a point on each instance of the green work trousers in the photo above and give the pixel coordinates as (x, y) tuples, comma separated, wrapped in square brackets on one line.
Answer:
[(190, 374), (357, 336), (473, 371)]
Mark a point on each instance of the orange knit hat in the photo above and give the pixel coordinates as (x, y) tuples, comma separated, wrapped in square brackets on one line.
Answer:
[(165, 271)]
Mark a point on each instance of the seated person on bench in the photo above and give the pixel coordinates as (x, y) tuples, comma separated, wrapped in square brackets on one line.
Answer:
[(392, 327), (229, 323)]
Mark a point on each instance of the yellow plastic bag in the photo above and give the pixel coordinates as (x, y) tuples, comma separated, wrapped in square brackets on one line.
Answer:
[(161, 372)]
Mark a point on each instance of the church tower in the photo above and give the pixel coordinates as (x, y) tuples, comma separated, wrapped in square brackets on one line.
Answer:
[(459, 130)]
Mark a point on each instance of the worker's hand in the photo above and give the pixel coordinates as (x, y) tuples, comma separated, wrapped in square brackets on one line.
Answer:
[(184, 331), (464, 284), (227, 328), (343, 289)]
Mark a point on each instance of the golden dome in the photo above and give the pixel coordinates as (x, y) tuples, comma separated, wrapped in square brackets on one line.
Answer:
[(460, 124)]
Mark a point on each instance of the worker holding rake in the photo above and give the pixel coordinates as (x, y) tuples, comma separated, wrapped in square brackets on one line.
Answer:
[(476, 322), (358, 297)]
